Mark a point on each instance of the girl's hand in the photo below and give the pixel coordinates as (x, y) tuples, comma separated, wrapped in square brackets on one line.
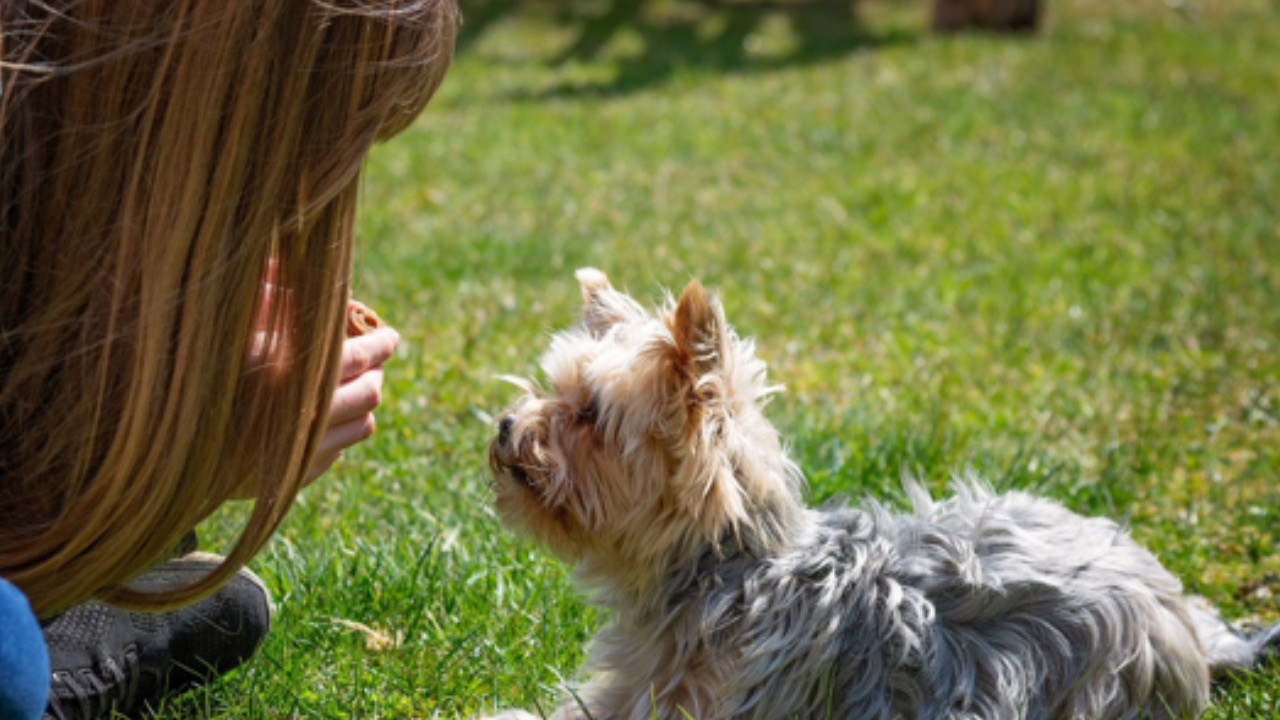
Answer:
[(359, 393)]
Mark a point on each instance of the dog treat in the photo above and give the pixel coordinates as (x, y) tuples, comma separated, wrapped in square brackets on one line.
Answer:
[(361, 320)]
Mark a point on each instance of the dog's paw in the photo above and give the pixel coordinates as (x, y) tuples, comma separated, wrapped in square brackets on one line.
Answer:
[(512, 715)]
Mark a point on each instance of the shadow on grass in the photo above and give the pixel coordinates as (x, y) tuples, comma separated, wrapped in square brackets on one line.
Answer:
[(670, 36)]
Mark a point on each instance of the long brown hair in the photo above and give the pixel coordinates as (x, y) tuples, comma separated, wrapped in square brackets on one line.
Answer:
[(158, 156)]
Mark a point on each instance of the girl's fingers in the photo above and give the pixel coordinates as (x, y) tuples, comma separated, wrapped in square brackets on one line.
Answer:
[(338, 438), (358, 396), (360, 354)]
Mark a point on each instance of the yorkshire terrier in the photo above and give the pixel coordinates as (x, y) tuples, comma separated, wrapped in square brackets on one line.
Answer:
[(648, 464)]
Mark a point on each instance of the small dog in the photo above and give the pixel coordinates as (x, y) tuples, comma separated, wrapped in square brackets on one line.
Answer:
[(650, 467)]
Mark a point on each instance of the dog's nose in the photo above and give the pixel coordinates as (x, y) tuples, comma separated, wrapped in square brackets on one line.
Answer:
[(504, 429)]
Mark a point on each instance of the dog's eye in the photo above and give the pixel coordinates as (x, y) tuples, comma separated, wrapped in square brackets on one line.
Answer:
[(587, 414)]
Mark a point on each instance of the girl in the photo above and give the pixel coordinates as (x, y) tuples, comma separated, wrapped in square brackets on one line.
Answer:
[(178, 186)]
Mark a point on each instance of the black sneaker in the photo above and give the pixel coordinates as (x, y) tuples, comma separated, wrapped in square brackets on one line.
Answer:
[(109, 662)]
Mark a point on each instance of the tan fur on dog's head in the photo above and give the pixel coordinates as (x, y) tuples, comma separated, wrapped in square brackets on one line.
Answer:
[(648, 445)]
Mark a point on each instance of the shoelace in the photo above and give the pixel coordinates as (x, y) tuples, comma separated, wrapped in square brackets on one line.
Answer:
[(92, 696)]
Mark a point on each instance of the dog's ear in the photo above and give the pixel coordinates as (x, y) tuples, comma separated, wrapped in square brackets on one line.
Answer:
[(602, 306), (706, 485), (699, 329), (593, 282)]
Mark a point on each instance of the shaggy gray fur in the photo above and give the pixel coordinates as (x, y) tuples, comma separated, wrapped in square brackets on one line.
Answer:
[(985, 606)]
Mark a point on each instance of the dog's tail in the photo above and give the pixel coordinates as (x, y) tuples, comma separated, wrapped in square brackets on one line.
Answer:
[(1266, 643), (1228, 648)]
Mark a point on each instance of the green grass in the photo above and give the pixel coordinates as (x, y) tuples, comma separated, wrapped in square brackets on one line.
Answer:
[(1054, 259)]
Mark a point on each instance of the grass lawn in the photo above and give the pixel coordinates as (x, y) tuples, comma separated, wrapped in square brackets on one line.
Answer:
[(1052, 259)]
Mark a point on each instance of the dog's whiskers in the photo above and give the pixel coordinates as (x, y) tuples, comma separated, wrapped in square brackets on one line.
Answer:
[(528, 386)]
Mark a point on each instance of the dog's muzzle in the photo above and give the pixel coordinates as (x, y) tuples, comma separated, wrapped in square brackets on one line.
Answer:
[(504, 430), (503, 458)]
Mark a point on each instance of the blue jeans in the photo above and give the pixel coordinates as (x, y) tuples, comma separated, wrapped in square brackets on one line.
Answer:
[(24, 660)]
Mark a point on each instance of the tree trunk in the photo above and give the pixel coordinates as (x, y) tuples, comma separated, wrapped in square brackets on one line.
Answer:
[(1005, 15)]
